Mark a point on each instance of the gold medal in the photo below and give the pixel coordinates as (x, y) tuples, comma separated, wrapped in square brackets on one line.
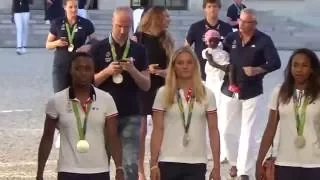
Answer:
[(117, 78), (83, 146), (186, 140), (70, 47), (300, 142)]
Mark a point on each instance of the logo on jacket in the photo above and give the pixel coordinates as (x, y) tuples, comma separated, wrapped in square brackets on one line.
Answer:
[(234, 44), (108, 57)]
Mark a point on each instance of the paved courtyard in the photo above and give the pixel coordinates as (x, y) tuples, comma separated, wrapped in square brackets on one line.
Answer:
[(25, 87)]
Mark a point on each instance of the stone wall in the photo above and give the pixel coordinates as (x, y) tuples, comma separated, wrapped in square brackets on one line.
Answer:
[(313, 6)]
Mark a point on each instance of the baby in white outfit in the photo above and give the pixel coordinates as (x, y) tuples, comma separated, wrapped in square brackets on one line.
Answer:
[(217, 58)]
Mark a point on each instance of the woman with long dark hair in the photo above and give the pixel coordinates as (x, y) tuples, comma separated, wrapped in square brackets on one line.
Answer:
[(295, 107), (86, 118)]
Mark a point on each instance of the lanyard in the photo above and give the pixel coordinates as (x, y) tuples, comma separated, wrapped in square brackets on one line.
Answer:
[(186, 125), (300, 113), (72, 33), (113, 49), (81, 129)]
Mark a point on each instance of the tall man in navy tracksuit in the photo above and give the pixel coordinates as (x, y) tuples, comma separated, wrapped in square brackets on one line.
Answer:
[(253, 55)]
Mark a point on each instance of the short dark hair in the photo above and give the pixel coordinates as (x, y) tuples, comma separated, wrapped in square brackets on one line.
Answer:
[(205, 2), (75, 56)]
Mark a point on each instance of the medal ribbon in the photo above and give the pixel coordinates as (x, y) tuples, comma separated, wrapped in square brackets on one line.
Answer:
[(186, 125), (81, 128), (300, 113), (72, 33), (113, 49)]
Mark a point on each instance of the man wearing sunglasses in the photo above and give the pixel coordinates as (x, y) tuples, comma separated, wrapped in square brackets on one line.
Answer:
[(253, 55)]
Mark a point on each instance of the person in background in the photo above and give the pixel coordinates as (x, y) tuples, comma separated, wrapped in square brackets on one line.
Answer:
[(86, 117), (20, 16), (138, 14), (122, 70), (66, 35), (253, 55), (233, 13), (54, 9), (154, 36), (196, 32), (295, 105), (83, 6), (182, 109)]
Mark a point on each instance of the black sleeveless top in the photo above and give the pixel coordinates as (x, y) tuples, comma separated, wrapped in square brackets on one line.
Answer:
[(156, 55)]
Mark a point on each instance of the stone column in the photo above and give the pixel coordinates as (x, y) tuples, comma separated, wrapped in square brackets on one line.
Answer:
[(111, 4)]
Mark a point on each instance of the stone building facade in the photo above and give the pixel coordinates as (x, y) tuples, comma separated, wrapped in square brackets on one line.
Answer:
[(190, 5)]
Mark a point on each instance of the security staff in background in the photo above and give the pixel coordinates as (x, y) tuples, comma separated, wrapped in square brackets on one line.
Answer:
[(253, 55)]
